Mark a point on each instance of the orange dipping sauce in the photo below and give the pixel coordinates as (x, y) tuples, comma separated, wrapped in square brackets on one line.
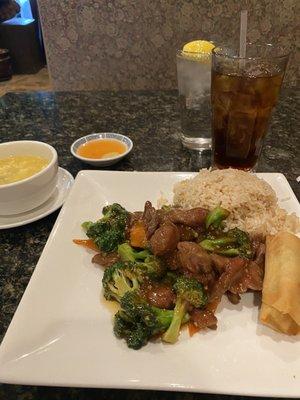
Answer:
[(101, 148)]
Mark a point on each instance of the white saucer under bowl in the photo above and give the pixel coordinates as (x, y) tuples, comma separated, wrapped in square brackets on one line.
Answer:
[(64, 183)]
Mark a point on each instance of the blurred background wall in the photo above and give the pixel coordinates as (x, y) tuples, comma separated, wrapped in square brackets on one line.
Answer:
[(131, 44)]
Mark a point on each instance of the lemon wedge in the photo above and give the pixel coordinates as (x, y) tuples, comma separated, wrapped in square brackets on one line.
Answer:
[(198, 46)]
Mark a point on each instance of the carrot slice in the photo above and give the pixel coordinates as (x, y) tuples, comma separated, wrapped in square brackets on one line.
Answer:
[(138, 235), (86, 243), (193, 329)]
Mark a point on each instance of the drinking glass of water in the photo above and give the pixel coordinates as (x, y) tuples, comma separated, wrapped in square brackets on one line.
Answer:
[(194, 80)]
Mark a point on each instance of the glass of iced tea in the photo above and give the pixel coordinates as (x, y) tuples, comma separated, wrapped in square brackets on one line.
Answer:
[(244, 92)]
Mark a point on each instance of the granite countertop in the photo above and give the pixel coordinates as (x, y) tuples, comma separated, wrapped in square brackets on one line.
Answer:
[(151, 120)]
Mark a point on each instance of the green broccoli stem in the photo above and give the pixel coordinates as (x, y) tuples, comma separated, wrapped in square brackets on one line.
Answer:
[(86, 225), (172, 333), (127, 253), (229, 252), (234, 243), (164, 319), (215, 217), (216, 244)]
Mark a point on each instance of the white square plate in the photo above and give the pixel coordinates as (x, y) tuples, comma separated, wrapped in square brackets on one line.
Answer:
[(61, 333)]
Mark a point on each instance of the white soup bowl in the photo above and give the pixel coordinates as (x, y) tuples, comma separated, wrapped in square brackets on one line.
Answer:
[(26, 194)]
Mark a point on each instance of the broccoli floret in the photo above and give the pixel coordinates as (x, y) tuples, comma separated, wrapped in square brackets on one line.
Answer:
[(215, 217), (145, 263), (118, 280), (135, 333), (137, 308), (109, 231), (243, 241), (151, 268), (169, 278), (233, 243), (138, 321), (189, 291)]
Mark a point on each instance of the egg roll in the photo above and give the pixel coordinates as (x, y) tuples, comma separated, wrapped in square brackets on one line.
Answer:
[(280, 308)]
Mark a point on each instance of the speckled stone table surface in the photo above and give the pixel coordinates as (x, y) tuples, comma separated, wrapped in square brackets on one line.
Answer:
[(151, 120)]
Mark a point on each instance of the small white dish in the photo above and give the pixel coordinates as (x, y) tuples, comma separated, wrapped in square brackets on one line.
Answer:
[(64, 183), (102, 162), (62, 333), (27, 194)]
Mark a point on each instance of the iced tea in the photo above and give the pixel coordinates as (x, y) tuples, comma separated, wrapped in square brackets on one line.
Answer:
[(243, 97)]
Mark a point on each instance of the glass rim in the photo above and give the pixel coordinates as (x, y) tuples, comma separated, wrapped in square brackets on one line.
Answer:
[(286, 53), (192, 54)]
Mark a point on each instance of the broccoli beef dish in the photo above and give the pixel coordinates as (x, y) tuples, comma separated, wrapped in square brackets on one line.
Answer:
[(170, 267)]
